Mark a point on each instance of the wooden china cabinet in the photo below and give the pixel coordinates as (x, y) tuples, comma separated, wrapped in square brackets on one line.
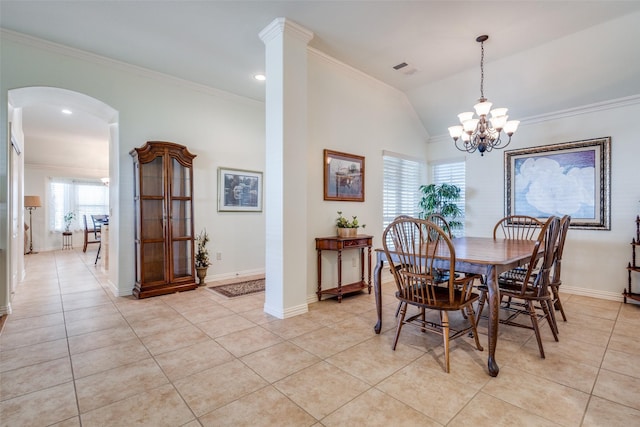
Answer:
[(164, 238)]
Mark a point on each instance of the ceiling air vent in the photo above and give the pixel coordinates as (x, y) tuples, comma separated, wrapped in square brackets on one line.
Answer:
[(405, 69)]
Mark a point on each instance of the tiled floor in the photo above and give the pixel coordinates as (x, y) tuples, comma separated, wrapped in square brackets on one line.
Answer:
[(72, 354)]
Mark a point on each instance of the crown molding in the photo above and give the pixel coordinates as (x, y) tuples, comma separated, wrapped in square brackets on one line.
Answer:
[(83, 55), (563, 114)]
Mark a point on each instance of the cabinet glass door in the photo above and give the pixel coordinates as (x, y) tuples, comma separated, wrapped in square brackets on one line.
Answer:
[(152, 221), (181, 220)]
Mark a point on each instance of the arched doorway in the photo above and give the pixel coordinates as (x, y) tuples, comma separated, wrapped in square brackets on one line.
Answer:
[(65, 131)]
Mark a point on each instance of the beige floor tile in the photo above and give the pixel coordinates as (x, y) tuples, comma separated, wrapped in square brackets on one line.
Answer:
[(37, 310), (558, 367), (109, 357), (258, 316), (225, 325), (22, 325), (314, 388), (327, 341), (619, 362), (375, 408), (195, 358), (433, 393), (39, 408), (248, 340), (85, 326), (119, 383), (630, 312), (373, 360), (157, 325), (70, 422), (266, 407), (602, 412), (210, 312), (101, 338), (161, 406), (618, 388), (624, 338), (173, 339), (485, 410), (537, 395), (32, 336), (279, 361), (80, 314), (291, 327), (25, 380), (33, 354), (215, 387)]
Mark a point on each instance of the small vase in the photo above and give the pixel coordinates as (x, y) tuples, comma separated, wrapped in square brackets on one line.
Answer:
[(201, 272), (347, 232)]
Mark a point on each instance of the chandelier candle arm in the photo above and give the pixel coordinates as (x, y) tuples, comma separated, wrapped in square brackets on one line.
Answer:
[(480, 133)]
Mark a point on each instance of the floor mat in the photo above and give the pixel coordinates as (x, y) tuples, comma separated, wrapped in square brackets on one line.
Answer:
[(241, 288)]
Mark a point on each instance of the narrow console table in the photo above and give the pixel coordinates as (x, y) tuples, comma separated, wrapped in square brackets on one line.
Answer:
[(335, 243)]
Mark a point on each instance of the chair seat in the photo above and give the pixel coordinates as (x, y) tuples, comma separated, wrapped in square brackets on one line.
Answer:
[(441, 301)]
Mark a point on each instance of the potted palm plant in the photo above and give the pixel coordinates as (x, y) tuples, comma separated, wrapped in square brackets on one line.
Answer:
[(441, 199), (202, 256)]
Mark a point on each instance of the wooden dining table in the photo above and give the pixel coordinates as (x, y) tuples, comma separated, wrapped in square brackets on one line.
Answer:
[(480, 255)]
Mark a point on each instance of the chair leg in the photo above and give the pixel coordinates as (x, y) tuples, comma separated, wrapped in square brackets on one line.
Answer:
[(86, 241), (444, 316), (403, 312), (483, 298), (474, 327), (399, 307), (551, 317), (557, 303), (536, 328)]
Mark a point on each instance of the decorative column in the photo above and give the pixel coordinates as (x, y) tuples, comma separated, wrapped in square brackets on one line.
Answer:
[(286, 168)]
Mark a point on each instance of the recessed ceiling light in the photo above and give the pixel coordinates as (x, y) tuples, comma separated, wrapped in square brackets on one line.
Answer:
[(260, 77), (67, 111)]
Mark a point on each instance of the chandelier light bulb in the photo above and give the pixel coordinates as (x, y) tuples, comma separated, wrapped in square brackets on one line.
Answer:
[(480, 133)]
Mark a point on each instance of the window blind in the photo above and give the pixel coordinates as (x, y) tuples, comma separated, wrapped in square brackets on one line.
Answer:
[(402, 178)]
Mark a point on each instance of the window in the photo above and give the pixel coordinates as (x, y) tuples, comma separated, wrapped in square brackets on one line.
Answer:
[(402, 178), (452, 173), (81, 196)]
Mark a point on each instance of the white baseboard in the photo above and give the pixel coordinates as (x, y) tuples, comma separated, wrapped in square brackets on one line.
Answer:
[(593, 293), (239, 274), (289, 312)]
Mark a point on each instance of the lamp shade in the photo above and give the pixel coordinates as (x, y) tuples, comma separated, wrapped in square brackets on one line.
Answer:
[(32, 202)]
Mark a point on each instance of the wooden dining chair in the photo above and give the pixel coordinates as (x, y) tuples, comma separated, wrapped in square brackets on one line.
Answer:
[(556, 279), (419, 284), (531, 290), (519, 227), (91, 235)]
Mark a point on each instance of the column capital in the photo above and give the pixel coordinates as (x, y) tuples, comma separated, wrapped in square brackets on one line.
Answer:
[(283, 25)]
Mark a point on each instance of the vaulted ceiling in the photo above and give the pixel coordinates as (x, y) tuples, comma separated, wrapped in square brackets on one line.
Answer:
[(541, 57)]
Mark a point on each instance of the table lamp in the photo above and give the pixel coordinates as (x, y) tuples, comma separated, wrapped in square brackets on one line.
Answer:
[(31, 203)]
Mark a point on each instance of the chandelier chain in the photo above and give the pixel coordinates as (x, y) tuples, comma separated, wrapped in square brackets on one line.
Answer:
[(482, 70)]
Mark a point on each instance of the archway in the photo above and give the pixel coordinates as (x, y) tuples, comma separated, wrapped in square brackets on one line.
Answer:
[(84, 140)]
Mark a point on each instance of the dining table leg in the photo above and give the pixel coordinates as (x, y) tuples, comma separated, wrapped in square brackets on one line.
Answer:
[(494, 313), (378, 292)]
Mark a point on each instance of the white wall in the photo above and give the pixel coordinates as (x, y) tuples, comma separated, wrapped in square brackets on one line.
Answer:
[(352, 113), (594, 261)]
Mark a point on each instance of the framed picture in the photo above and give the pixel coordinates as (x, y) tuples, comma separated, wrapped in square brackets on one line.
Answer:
[(572, 178), (239, 190), (343, 176)]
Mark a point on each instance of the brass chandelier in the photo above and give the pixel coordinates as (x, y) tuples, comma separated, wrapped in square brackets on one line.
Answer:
[(480, 133)]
